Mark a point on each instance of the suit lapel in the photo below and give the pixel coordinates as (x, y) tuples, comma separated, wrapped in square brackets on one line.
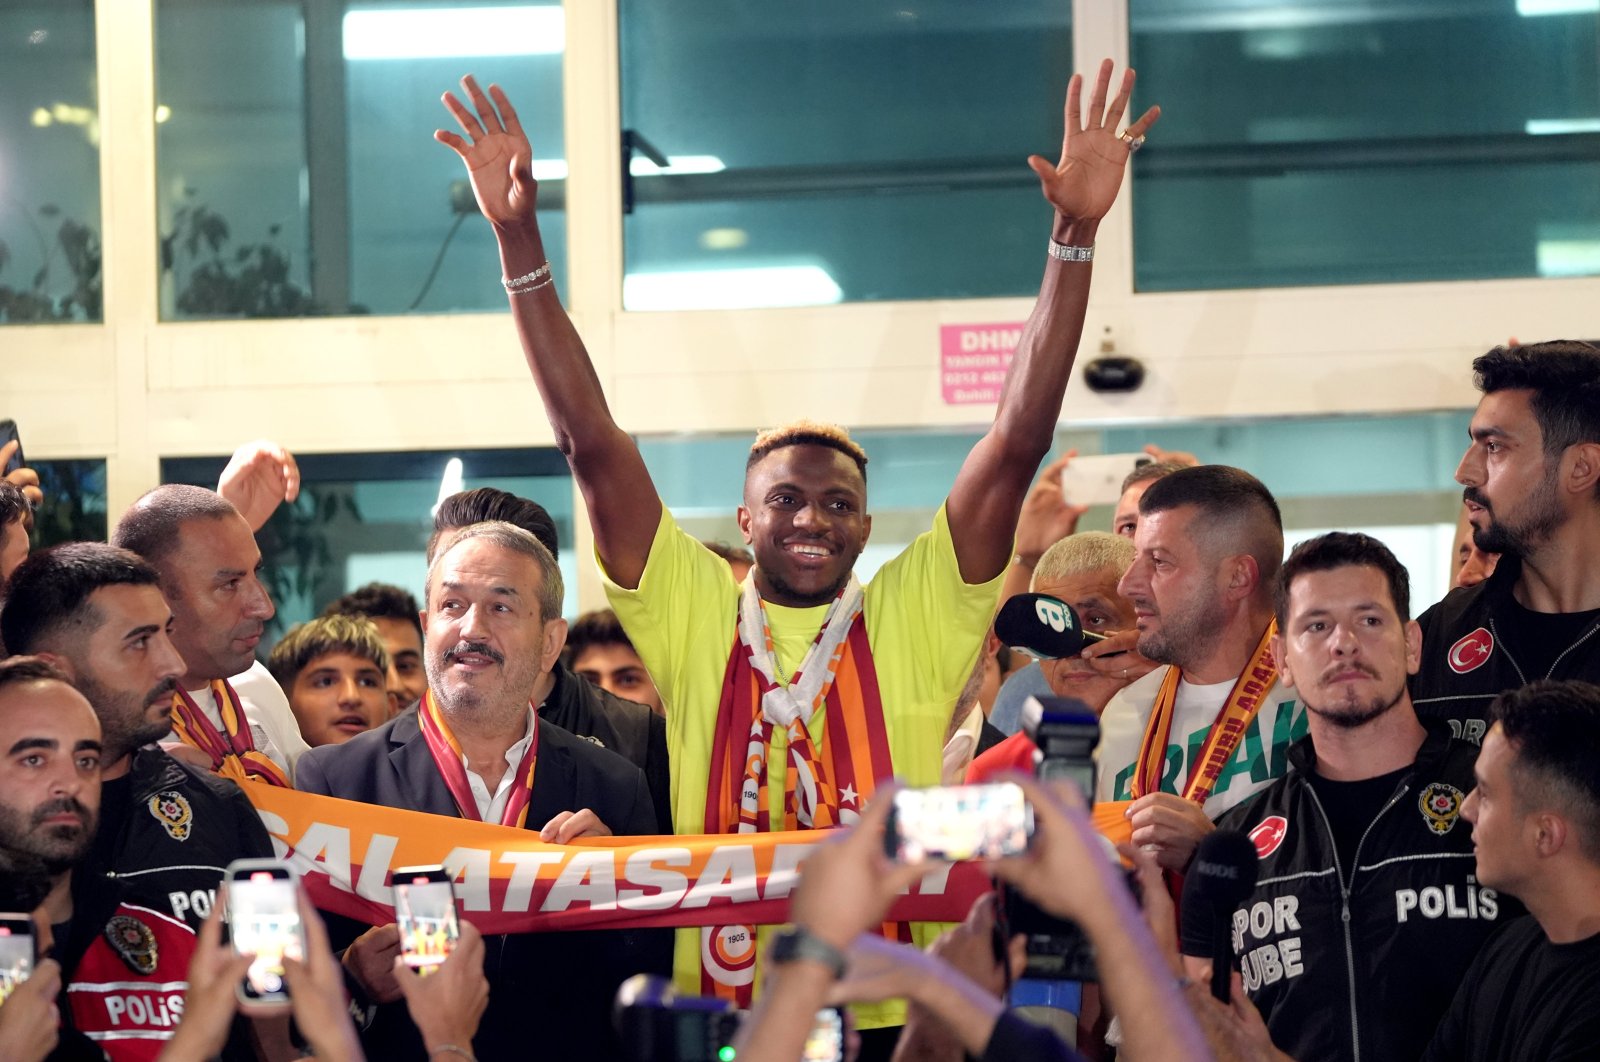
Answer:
[(554, 780), (421, 786)]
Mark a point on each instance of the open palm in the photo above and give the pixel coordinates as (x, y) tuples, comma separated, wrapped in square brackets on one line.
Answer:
[(496, 150), (1084, 183)]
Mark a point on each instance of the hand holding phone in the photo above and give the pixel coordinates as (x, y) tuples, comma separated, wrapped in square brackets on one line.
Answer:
[(1097, 479), (957, 823), (264, 920), (425, 912), (18, 951)]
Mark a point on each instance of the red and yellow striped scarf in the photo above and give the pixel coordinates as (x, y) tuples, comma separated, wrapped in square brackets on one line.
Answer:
[(850, 762), (232, 750)]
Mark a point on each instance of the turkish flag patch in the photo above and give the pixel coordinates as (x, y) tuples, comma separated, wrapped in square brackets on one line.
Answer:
[(1471, 652), (1269, 834)]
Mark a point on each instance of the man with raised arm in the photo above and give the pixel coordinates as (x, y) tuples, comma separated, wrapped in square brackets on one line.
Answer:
[(790, 698)]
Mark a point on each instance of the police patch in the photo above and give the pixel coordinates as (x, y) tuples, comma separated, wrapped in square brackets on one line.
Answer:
[(172, 810), (1269, 834), (1440, 804), (134, 942)]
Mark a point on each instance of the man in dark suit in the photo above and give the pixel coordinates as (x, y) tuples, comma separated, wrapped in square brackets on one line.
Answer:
[(474, 748)]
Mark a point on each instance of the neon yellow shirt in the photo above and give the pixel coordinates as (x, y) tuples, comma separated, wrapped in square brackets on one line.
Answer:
[(925, 627)]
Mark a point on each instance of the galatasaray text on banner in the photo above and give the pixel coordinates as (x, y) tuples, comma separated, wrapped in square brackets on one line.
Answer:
[(510, 882)]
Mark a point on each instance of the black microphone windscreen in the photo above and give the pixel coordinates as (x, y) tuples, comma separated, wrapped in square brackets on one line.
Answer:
[(1042, 625), (1224, 869)]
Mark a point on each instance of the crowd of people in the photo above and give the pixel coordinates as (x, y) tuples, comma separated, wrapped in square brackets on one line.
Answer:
[(1421, 796)]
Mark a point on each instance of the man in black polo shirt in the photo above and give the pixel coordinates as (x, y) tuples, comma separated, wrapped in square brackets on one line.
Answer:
[(1366, 911), (1532, 479)]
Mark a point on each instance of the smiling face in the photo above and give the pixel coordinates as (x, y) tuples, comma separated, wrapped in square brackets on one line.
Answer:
[(804, 516), (1512, 495), (487, 644), (49, 772), (220, 608), (337, 696), (1176, 589), (127, 667), (1344, 648), (1101, 610)]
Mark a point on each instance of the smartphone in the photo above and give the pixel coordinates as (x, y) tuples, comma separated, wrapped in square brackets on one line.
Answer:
[(8, 432), (264, 920), (825, 1043), (17, 951), (958, 822), (1097, 480), (425, 911)]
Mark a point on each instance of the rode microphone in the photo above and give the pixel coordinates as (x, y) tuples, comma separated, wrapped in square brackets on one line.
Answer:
[(1222, 873), (1043, 626)]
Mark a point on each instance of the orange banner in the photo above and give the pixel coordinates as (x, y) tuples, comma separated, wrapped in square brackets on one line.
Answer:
[(510, 882)]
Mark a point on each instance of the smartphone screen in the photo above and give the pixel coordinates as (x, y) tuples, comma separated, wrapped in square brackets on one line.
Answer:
[(16, 952), (960, 822), (425, 912), (264, 919), (826, 1040)]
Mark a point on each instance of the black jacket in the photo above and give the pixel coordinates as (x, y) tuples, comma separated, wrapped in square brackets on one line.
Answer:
[(154, 866), (1360, 963), (628, 728), (550, 994), (1462, 671)]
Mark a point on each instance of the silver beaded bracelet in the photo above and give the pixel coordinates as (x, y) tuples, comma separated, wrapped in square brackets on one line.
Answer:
[(1063, 252), (511, 286), (545, 283)]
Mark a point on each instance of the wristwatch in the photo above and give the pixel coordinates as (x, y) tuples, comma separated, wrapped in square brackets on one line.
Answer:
[(799, 943)]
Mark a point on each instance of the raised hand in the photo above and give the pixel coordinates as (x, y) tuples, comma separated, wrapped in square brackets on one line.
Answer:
[(496, 150), (260, 476), (1084, 183)]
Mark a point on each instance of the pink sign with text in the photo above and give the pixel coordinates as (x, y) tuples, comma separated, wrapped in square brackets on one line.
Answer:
[(973, 359)]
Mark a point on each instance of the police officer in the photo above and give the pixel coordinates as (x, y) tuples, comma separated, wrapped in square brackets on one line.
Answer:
[(1366, 911)]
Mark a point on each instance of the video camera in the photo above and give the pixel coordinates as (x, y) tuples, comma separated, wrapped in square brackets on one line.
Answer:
[(655, 1024)]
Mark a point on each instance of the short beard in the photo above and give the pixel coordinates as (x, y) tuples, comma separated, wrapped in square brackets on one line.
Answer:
[(1184, 639), (1357, 716), (57, 850), (822, 597), (123, 727), (1541, 517)]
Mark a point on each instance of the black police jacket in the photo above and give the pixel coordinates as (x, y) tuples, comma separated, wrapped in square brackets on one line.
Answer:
[(1466, 663), (1359, 962)]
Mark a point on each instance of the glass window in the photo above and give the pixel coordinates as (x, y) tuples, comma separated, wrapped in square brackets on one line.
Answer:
[(364, 518), (1304, 142), (837, 151), (74, 506), (297, 170), (49, 163)]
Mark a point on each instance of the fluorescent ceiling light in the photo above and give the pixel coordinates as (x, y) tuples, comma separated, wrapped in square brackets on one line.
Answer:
[(1553, 126), (1568, 258), (450, 483), (556, 169), (453, 32), (643, 167), (731, 289), (1531, 8)]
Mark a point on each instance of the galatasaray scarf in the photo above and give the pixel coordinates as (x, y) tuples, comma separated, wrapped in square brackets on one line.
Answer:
[(232, 750), (824, 784), (1244, 700), (447, 757)]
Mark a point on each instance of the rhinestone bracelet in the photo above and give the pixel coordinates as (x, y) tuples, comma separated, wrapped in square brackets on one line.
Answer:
[(511, 285), (1066, 253)]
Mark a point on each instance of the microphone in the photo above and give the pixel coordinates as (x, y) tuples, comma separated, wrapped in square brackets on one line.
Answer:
[(1043, 626), (1222, 874)]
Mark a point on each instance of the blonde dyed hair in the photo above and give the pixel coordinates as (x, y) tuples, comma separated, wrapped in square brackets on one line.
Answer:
[(807, 433), (1086, 553)]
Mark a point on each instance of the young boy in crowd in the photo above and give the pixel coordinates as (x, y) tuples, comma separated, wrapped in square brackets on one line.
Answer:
[(333, 670)]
